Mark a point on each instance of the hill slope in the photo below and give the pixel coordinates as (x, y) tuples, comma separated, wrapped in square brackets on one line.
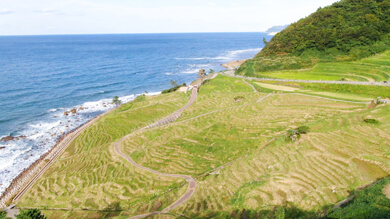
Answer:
[(347, 30)]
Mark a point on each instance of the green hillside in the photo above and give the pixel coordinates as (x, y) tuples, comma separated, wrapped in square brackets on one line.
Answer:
[(345, 31)]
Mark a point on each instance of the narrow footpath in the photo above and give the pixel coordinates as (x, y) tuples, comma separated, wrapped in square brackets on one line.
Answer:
[(191, 181)]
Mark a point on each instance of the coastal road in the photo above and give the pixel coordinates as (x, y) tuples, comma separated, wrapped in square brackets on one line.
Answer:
[(230, 73), (191, 181)]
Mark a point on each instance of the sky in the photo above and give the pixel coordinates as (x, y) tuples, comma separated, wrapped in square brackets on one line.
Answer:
[(41, 17)]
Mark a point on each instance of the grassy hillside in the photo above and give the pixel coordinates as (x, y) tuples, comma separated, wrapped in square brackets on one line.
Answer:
[(91, 176), (345, 31), (233, 141), (374, 68), (238, 153)]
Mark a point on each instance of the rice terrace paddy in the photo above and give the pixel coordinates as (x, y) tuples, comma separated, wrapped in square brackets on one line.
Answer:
[(232, 141)]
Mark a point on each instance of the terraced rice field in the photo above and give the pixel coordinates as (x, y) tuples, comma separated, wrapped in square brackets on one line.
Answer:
[(260, 169), (340, 154), (89, 175), (232, 141), (375, 68)]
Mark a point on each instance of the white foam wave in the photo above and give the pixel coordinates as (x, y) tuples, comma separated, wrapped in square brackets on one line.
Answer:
[(153, 93), (194, 68), (52, 110), (236, 52), (190, 71), (229, 55)]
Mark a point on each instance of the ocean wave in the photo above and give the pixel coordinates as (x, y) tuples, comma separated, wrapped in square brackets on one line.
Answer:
[(236, 52), (229, 55), (190, 71), (153, 93)]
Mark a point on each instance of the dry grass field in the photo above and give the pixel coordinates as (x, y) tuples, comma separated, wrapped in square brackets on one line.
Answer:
[(232, 141)]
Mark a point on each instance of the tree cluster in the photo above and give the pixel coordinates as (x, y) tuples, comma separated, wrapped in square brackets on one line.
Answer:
[(346, 30)]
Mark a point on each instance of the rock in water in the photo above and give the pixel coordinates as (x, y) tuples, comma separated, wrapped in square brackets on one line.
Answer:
[(7, 138)]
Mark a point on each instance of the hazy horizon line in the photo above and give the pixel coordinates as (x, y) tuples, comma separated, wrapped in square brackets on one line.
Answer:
[(70, 34)]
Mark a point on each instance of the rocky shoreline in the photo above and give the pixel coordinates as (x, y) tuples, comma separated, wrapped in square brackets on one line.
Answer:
[(25, 177)]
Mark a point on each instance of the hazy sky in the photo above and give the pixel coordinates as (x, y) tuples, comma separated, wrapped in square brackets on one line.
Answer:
[(33, 17)]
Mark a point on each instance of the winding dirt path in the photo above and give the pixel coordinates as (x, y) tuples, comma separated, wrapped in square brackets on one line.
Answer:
[(191, 181)]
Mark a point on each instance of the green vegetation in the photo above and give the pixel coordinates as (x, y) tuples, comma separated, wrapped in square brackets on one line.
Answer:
[(303, 129), (374, 68), (260, 173), (30, 214), (233, 140), (173, 89), (347, 30), (238, 98), (116, 101), (174, 83), (367, 203), (2, 215), (235, 150), (280, 212), (372, 121), (90, 175), (295, 134)]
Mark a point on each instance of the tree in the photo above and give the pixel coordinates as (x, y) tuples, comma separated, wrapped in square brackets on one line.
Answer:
[(173, 83), (30, 214), (3, 215), (116, 101), (265, 41)]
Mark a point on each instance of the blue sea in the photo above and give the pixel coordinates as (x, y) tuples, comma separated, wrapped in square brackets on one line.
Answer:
[(41, 77)]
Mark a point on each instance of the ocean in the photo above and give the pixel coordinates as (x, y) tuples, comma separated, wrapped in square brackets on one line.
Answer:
[(41, 77)]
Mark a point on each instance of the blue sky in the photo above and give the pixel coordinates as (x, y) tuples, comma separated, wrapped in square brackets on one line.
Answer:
[(26, 17)]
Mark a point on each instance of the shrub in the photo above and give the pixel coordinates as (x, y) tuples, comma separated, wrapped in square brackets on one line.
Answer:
[(238, 98), (30, 214), (303, 129), (371, 121), (295, 134), (173, 89), (292, 135)]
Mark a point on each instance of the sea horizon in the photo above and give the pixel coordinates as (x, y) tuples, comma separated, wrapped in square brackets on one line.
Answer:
[(89, 34)]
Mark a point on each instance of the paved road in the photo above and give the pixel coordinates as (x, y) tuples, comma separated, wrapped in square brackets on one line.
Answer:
[(191, 181), (230, 73)]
